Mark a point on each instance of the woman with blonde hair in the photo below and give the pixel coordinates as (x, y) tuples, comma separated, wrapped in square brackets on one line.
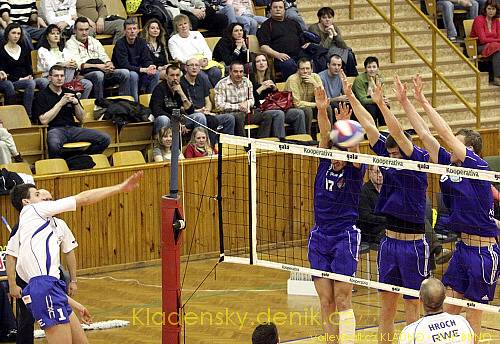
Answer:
[(162, 150), (186, 44), (199, 146), (155, 36)]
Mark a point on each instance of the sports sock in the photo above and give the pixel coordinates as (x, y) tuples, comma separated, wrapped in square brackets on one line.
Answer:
[(347, 327)]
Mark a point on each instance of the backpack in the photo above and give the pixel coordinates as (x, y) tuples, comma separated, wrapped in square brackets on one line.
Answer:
[(8, 180)]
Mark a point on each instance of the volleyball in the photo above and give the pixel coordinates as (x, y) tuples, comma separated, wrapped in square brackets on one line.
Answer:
[(347, 133)]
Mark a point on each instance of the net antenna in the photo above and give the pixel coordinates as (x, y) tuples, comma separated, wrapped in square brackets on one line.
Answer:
[(172, 224), (265, 200)]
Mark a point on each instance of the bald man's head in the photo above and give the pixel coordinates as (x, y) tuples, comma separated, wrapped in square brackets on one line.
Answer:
[(432, 294)]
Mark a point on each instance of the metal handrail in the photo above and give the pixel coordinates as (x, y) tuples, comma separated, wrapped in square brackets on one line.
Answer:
[(431, 64)]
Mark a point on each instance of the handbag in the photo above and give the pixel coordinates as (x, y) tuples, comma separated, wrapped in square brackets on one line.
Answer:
[(279, 100), (74, 85)]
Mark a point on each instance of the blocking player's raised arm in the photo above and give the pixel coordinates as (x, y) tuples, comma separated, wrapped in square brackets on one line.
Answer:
[(392, 123), (430, 143), (440, 125), (95, 195), (343, 113), (363, 116), (322, 102)]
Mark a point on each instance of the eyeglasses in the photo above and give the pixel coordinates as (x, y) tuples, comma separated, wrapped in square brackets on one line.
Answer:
[(191, 65)]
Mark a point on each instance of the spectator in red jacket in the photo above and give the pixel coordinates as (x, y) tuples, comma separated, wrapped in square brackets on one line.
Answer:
[(199, 145), (486, 28)]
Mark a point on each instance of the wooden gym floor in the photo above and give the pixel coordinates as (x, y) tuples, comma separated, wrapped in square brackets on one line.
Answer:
[(226, 309)]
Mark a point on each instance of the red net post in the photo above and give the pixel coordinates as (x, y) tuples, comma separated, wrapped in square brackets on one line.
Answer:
[(172, 224)]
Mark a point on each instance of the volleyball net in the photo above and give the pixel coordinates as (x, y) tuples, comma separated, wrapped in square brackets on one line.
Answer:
[(266, 200)]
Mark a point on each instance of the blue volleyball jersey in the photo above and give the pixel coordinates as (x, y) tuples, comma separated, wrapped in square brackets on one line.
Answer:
[(403, 191), (470, 201), (336, 195)]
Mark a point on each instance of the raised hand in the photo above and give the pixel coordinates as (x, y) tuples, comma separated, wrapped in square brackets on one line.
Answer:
[(344, 112), (131, 182), (378, 94), (346, 85), (322, 101), (400, 89), (418, 89)]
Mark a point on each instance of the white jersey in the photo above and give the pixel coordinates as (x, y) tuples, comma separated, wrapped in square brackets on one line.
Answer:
[(39, 237), (442, 328)]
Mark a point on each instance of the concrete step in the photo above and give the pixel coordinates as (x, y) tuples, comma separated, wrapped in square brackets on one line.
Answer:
[(445, 96), (402, 53), (449, 67), (457, 78), (457, 115)]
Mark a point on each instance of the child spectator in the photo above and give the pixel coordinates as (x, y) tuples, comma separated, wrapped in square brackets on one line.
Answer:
[(162, 146), (199, 145)]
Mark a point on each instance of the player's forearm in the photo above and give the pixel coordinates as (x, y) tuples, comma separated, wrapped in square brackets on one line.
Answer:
[(96, 195), (416, 121), (392, 123), (439, 124), (71, 262), (324, 123), (364, 118), (423, 131), (10, 266)]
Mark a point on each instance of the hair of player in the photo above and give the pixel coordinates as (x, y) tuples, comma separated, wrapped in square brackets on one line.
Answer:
[(432, 294), (472, 139), (369, 60), (390, 142), (265, 334), (18, 193)]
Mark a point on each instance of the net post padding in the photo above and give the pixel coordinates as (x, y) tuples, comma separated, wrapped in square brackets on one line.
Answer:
[(265, 145), (171, 241)]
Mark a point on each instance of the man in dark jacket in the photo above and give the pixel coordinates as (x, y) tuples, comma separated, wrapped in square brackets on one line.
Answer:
[(132, 53), (169, 95)]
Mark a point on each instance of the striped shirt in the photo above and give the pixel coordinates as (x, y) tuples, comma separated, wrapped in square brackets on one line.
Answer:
[(229, 95), (19, 11)]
